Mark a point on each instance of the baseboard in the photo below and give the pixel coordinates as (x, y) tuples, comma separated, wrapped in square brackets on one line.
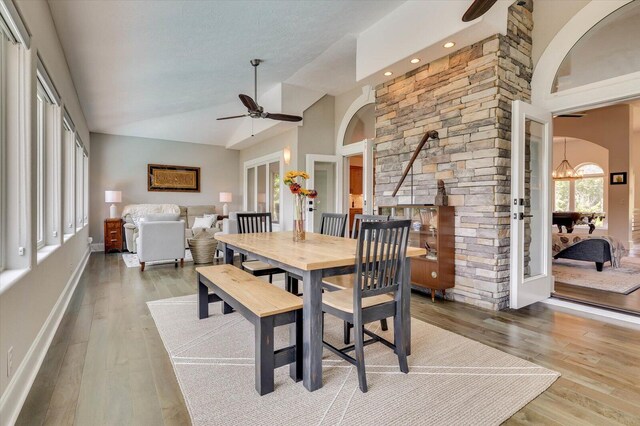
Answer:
[(97, 247), (18, 388)]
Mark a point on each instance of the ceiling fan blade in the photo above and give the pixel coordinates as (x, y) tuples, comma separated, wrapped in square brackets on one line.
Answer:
[(477, 9), (233, 116), (249, 102), (283, 117)]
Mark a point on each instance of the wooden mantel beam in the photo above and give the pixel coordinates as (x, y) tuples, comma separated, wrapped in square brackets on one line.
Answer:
[(431, 134)]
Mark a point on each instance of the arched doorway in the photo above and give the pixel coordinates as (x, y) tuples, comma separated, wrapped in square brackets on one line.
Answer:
[(592, 62)]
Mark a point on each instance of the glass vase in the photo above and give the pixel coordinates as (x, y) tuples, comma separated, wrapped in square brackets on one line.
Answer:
[(298, 219)]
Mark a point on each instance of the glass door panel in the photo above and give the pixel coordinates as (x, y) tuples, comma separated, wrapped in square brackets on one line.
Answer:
[(274, 191), (262, 188), (530, 258), (251, 189)]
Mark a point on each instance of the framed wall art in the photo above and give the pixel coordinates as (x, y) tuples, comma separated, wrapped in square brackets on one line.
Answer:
[(618, 178), (161, 177)]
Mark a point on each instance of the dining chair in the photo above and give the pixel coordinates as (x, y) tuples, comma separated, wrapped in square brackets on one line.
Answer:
[(359, 218), (256, 223), (375, 292), (340, 282), (333, 224)]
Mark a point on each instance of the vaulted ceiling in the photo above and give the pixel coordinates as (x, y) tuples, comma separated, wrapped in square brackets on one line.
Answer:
[(167, 69)]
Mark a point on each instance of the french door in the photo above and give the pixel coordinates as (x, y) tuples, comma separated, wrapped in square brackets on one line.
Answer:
[(325, 177), (531, 155)]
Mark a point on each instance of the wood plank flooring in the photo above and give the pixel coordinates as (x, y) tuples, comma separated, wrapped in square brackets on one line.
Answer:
[(107, 364)]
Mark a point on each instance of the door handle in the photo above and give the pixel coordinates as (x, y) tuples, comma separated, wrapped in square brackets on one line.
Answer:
[(311, 209), (522, 216)]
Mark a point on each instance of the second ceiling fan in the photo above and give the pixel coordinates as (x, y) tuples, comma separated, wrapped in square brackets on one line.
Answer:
[(253, 109)]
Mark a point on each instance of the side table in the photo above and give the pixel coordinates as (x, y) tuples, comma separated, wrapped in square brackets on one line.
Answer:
[(113, 235)]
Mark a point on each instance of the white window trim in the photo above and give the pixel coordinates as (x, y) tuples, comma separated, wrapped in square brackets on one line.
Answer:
[(79, 186), (572, 192), (85, 188), (41, 171), (3, 127), (255, 163)]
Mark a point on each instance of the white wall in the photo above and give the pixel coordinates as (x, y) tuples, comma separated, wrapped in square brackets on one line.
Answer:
[(120, 163), (33, 303)]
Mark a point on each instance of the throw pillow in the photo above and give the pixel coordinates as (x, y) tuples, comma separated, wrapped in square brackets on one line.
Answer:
[(204, 222)]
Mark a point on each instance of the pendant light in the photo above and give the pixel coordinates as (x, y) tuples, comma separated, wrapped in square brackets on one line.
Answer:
[(565, 171)]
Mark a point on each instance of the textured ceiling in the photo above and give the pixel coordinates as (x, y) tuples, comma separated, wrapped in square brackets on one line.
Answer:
[(167, 69)]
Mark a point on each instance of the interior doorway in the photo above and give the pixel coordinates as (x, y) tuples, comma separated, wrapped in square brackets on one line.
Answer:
[(596, 207)]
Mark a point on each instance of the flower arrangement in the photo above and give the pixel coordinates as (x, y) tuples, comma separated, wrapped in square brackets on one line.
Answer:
[(299, 194)]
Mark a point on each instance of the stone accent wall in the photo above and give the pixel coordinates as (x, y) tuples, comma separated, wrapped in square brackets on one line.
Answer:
[(466, 97)]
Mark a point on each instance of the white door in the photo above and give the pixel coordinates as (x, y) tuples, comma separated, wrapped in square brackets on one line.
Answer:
[(367, 176), (324, 177), (531, 149)]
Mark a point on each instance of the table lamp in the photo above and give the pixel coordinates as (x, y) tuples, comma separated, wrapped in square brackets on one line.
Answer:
[(113, 197), (225, 197)]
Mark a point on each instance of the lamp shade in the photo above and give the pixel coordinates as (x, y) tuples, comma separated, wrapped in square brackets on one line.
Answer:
[(226, 197), (112, 196)]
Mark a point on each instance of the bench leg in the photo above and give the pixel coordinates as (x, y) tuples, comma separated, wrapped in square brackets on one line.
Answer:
[(599, 266), (264, 357), (226, 308), (203, 301), (295, 339)]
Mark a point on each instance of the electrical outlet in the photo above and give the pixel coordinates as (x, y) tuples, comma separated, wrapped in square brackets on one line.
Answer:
[(10, 361), (55, 233), (20, 251)]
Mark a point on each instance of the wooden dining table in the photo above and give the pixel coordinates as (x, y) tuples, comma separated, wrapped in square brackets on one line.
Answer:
[(316, 257)]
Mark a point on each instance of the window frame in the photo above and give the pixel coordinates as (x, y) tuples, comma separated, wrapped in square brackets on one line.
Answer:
[(4, 38), (572, 189), (41, 163), (255, 164), (79, 184)]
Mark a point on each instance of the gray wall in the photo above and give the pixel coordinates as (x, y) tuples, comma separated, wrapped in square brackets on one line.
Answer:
[(120, 163)]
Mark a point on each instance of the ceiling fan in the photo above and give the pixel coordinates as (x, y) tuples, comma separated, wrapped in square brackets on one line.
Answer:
[(480, 7), (253, 109)]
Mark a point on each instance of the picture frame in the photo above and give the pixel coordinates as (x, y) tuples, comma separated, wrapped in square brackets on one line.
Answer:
[(618, 178), (170, 178)]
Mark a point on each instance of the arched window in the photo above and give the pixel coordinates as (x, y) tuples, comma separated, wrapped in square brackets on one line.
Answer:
[(361, 126), (584, 195), (610, 49)]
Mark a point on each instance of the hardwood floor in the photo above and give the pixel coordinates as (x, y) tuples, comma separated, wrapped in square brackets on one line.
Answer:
[(628, 303), (107, 364)]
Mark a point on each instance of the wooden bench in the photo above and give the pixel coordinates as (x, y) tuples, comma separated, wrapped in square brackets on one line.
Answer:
[(266, 306)]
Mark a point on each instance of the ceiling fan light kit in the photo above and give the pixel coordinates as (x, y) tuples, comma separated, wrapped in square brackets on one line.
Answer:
[(253, 109)]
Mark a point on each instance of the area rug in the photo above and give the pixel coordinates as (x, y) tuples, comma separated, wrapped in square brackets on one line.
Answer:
[(132, 261), (452, 380), (623, 280)]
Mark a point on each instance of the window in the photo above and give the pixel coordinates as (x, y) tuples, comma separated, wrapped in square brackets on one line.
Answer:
[(262, 185), (85, 192), (584, 195), (3, 189), (361, 126), (68, 139), (41, 162), (79, 175), (610, 49)]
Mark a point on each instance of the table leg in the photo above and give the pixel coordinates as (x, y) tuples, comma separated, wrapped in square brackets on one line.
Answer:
[(228, 255), (406, 304), (312, 330)]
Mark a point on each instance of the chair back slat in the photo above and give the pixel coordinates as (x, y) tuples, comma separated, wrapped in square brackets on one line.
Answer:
[(361, 218), (333, 224), (382, 246), (249, 223)]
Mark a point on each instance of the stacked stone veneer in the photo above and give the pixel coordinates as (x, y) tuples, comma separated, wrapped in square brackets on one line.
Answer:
[(466, 97)]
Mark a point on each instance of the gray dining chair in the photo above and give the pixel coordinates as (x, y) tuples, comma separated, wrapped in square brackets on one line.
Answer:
[(340, 282), (333, 224), (255, 223), (375, 294)]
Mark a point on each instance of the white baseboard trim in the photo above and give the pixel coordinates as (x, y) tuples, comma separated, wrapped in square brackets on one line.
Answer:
[(18, 388), (593, 312), (97, 247)]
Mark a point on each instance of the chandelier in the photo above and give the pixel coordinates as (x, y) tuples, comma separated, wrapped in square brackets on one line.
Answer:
[(565, 171)]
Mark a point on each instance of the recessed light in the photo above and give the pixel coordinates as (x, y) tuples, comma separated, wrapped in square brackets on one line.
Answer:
[(388, 73), (448, 45), (415, 60)]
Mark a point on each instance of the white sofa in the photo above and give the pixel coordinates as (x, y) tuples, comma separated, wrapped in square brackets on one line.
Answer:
[(160, 239), (133, 213)]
